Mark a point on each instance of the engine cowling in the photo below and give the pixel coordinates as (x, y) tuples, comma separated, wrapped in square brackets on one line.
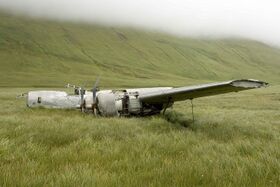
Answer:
[(106, 103), (120, 103)]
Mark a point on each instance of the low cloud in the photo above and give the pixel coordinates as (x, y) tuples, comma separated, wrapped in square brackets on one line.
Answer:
[(252, 19)]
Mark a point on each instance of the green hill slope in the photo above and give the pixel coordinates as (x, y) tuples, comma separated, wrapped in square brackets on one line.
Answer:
[(45, 53)]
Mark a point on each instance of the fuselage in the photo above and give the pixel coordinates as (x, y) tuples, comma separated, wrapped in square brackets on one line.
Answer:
[(122, 102)]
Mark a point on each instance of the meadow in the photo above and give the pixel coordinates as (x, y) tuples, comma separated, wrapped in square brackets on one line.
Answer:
[(233, 141)]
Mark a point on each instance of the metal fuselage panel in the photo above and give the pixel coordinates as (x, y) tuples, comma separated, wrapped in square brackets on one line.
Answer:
[(109, 102), (52, 99)]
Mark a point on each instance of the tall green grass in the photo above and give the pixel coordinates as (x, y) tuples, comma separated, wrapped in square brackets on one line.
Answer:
[(234, 141)]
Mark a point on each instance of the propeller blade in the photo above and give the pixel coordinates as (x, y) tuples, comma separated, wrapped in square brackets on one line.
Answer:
[(82, 91), (94, 89)]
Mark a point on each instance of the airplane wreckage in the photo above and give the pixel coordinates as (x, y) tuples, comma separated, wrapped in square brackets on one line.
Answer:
[(133, 102)]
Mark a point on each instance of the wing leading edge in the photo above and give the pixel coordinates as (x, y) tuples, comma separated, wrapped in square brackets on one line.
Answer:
[(191, 92)]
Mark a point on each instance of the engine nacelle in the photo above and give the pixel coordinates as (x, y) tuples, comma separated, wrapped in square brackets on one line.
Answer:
[(106, 104), (122, 103), (134, 105)]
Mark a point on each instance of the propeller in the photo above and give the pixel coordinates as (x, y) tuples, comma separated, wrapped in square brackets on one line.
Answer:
[(82, 92), (94, 89)]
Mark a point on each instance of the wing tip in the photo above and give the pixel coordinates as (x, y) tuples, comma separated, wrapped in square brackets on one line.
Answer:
[(249, 83)]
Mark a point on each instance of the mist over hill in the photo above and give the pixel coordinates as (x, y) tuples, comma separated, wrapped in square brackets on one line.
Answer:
[(36, 52), (257, 20)]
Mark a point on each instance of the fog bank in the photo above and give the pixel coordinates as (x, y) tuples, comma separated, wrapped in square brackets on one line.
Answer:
[(252, 19)]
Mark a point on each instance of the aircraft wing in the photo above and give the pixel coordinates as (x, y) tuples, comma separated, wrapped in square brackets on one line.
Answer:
[(191, 92)]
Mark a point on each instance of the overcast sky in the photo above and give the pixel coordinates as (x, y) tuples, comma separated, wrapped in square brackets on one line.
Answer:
[(253, 19)]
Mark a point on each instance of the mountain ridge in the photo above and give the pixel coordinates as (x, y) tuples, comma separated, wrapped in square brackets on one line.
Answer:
[(42, 53)]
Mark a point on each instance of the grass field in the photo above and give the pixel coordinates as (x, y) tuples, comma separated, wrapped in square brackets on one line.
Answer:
[(234, 140)]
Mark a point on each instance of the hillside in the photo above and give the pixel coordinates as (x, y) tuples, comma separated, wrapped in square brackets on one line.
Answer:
[(45, 53)]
